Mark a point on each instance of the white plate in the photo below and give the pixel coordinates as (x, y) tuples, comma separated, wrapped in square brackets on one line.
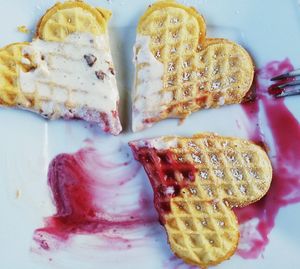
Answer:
[(268, 29)]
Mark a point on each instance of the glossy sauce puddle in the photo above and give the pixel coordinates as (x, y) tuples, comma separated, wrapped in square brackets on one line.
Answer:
[(73, 185)]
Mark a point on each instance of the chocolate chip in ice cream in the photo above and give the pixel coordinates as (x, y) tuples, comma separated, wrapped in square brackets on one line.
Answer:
[(111, 70), (90, 59), (100, 75)]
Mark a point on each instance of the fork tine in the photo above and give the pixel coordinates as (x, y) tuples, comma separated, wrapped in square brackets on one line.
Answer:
[(293, 73), (288, 93), (288, 84)]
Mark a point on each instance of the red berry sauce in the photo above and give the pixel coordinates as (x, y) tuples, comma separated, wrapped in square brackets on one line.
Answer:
[(160, 166), (82, 195), (285, 157)]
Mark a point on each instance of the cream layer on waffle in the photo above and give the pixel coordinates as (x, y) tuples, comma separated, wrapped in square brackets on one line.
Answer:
[(66, 78), (148, 102), (184, 71), (67, 70)]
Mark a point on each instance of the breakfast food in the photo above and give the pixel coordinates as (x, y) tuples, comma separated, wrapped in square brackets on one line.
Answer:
[(179, 70), (196, 182), (67, 70)]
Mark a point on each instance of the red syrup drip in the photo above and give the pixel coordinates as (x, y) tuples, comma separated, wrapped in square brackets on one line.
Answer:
[(81, 196), (275, 90), (285, 187), (160, 166)]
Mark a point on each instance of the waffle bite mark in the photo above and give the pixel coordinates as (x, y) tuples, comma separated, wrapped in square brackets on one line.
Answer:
[(220, 173), (168, 176), (67, 70), (217, 69)]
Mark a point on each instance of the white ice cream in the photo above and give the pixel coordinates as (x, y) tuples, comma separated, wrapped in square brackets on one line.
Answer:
[(148, 102), (160, 143), (63, 78)]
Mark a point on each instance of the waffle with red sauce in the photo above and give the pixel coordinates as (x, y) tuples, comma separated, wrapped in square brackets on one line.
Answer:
[(196, 182)]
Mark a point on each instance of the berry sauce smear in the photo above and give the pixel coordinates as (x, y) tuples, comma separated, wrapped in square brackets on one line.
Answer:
[(85, 188), (258, 219)]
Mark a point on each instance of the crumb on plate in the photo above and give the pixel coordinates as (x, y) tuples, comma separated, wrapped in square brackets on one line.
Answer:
[(23, 29)]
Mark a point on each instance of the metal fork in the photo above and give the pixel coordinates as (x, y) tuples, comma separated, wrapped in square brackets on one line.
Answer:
[(287, 84)]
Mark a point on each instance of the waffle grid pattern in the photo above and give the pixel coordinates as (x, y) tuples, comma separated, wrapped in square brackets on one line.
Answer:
[(201, 232), (50, 98), (66, 22), (228, 169), (66, 18), (9, 63), (197, 75), (201, 226)]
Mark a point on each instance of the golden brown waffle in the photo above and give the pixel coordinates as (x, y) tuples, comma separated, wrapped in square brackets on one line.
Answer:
[(66, 18), (198, 72), (57, 25), (197, 181), (10, 62)]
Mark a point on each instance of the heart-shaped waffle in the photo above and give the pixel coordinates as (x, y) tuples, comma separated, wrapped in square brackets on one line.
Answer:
[(196, 182), (179, 70), (67, 70)]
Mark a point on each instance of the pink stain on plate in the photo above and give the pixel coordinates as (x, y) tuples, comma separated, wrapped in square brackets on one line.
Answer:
[(86, 190), (285, 188), (85, 185)]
